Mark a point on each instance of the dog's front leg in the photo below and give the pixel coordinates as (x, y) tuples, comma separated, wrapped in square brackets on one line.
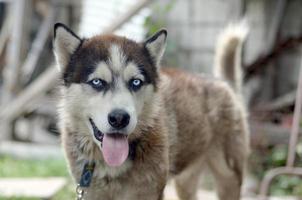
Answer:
[(156, 195), (146, 185), (147, 192)]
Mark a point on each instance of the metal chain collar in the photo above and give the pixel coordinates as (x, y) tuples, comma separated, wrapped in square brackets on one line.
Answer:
[(86, 178), (80, 192)]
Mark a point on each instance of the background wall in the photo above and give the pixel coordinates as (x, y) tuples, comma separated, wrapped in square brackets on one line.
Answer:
[(195, 24)]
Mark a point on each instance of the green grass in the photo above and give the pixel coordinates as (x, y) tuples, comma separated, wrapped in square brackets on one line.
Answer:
[(10, 167), (32, 168)]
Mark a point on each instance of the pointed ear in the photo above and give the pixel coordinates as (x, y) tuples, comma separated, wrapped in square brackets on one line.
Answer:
[(65, 42), (156, 45)]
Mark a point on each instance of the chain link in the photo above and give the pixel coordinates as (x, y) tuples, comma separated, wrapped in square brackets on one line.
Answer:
[(80, 192)]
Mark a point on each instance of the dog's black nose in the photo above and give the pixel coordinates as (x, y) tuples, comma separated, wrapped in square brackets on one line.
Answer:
[(118, 119)]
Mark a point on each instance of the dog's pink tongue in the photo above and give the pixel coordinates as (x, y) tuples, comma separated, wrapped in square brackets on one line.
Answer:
[(115, 150)]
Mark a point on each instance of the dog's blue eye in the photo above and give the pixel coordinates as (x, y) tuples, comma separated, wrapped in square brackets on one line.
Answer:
[(135, 84), (97, 83)]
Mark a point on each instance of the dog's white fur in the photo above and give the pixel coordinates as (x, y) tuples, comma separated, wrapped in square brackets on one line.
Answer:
[(229, 45), (64, 46)]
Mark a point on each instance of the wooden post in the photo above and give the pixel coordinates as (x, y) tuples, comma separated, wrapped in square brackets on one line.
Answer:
[(37, 45), (42, 84), (4, 34), (12, 70), (127, 16), (276, 19)]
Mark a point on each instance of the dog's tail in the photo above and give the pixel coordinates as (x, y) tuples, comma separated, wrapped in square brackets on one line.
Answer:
[(228, 54)]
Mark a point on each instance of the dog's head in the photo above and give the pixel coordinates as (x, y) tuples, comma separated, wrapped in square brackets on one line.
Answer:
[(109, 83)]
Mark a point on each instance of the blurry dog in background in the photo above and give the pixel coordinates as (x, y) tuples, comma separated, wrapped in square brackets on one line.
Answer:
[(142, 124)]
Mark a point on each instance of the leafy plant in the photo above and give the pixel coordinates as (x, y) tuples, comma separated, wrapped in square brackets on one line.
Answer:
[(158, 20), (274, 157)]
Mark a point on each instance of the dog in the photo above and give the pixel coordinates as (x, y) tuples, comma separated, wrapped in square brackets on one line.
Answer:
[(128, 126)]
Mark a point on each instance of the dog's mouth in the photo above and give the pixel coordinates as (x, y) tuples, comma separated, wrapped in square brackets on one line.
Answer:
[(114, 146), (96, 132)]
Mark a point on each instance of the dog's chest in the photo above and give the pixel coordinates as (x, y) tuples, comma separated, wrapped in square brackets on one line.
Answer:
[(106, 182), (102, 171), (113, 190)]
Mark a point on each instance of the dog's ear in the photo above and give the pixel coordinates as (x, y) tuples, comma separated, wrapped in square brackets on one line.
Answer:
[(65, 42), (156, 45)]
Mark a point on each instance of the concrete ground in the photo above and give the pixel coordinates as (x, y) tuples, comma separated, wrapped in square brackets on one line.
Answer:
[(46, 188), (170, 194), (43, 188)]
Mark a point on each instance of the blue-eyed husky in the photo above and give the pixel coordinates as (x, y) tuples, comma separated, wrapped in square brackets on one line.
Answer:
[(140, 125)]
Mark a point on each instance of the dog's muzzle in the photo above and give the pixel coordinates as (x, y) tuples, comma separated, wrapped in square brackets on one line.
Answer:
[(97, 133)]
